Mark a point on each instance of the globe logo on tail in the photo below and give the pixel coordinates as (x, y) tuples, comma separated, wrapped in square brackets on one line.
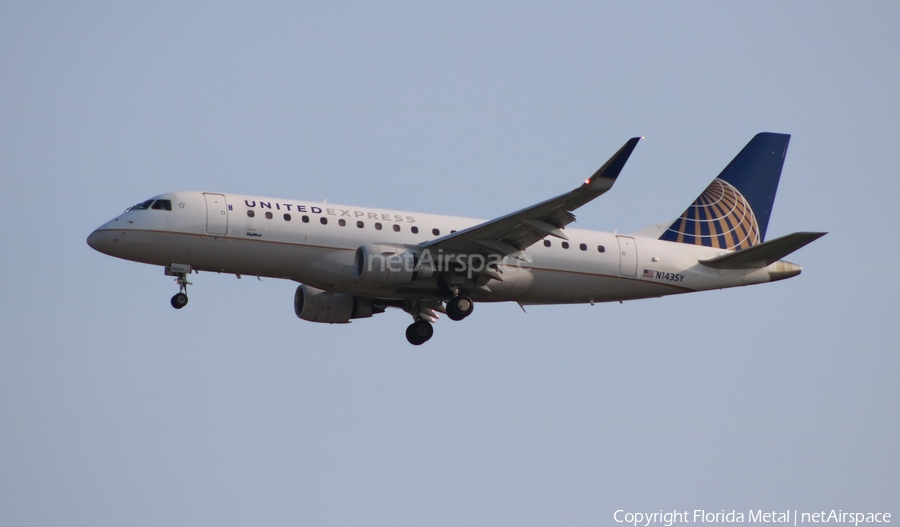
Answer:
[(721, 217)]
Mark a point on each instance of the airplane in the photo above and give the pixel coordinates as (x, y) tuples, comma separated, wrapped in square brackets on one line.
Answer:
[(355, 262)]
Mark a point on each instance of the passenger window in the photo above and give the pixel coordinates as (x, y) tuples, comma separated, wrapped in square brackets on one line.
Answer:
[(451, 232), (436, 232), (601, 249), (414, 229), (287, 217), (305, 219), (396, 228), (342, 223), (162, 204), (583, 246), (565, 245), (323, 221), (546, 243), (377, 226), (250, 214), (268, 215), (360, 224)]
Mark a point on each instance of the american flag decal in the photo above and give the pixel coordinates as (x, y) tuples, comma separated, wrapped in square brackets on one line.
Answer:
[(648, 273)]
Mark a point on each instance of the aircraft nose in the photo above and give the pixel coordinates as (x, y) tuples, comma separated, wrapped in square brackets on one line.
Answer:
[(94, 239), (99, 240)]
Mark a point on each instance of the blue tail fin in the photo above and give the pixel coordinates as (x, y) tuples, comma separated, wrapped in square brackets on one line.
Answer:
[(733, 212)]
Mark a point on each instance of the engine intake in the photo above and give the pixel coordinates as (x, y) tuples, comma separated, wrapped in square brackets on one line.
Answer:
[(316, 305)]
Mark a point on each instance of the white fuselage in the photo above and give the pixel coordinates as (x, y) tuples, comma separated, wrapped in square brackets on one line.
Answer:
[(315, 244)]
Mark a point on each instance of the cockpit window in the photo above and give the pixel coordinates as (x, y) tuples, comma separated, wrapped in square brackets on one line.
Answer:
[(141, 206), (159, 204)]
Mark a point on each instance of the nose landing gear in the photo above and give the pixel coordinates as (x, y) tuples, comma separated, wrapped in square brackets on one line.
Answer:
[(179, 300), (180, 273)]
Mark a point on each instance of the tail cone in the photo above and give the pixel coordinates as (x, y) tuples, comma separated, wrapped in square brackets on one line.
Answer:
[(781, 270)]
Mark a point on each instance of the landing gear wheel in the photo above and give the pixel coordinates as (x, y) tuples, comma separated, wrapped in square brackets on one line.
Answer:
[(419, 332), (179, 301), (459, 307)]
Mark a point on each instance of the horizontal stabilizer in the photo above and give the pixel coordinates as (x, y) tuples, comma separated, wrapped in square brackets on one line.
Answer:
[(763, 254)]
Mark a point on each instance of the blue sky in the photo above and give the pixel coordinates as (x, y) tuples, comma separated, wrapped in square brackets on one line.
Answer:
[(118, 409)]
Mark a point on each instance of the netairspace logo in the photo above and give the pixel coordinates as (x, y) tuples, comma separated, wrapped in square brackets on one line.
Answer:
[(789, 517), (468, 264)]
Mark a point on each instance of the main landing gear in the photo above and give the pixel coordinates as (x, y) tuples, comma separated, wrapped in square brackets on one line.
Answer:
[(425, 313), (459, 307), (419, 332)]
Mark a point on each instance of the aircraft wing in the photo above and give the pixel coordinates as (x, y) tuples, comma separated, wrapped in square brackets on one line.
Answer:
[(507, 235)]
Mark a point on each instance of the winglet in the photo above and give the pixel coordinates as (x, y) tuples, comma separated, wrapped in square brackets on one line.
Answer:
[(612, 168)]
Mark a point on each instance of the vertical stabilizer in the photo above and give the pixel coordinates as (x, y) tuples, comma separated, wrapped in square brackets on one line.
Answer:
[(733, 212)]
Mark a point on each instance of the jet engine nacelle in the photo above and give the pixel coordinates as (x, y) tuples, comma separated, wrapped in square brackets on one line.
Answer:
[(316, 305), (380, 264)]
